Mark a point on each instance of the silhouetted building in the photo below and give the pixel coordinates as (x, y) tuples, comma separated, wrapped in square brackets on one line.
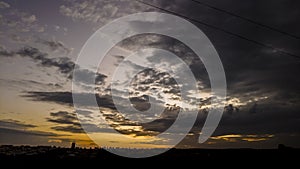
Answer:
[(73, 145)]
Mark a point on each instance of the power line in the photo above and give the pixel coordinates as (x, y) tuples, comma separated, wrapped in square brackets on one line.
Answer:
[(246, 19), (220, 29)]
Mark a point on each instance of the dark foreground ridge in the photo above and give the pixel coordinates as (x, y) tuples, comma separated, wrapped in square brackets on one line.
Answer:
[(46, 153)]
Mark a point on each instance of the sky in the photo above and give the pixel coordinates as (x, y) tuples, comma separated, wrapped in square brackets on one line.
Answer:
[(41, 40)]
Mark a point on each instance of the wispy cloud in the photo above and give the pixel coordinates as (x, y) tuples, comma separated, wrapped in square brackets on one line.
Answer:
[(66, 121), (26, 132), (62, 63), (17, 132), (99, 11), (15, 20), (55, 46), (239, 137), (4, 5), (15, 124)]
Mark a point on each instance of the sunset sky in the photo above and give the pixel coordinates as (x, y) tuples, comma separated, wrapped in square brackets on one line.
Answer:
[(40, 41)]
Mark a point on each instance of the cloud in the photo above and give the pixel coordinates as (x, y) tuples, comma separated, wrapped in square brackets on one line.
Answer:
[(238, 137), (65, 98), (9, 136), (150, 80), (57, 97), (19, 38), (28, 19), (25, 85), (63, 64), (264, 82), (99, 11), (4, 5), (269, 121), (55, 46), (172, 45), (66, 121), (88, 11), (253, 109), (115, 119), (63, 117), (251, 74), (84, 113), (249, 68), (17, 132), (230, 109), (26, 132), (88, 77), (15, 124), (14, 20), (70, 128), (150, 40), (4, 52)]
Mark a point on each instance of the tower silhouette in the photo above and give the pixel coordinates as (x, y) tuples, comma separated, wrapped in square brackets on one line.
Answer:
[(73, 145)]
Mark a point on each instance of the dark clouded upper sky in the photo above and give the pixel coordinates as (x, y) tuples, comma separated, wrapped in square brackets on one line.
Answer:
[(257, 42)]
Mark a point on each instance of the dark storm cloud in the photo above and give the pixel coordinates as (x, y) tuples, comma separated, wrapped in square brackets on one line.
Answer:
[(248, 68), (281, 121), (259, 68), (253, 71), (268, 120)]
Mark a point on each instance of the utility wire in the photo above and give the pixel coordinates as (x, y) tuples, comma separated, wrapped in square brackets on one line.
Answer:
[(246, 19), (220, 29)]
